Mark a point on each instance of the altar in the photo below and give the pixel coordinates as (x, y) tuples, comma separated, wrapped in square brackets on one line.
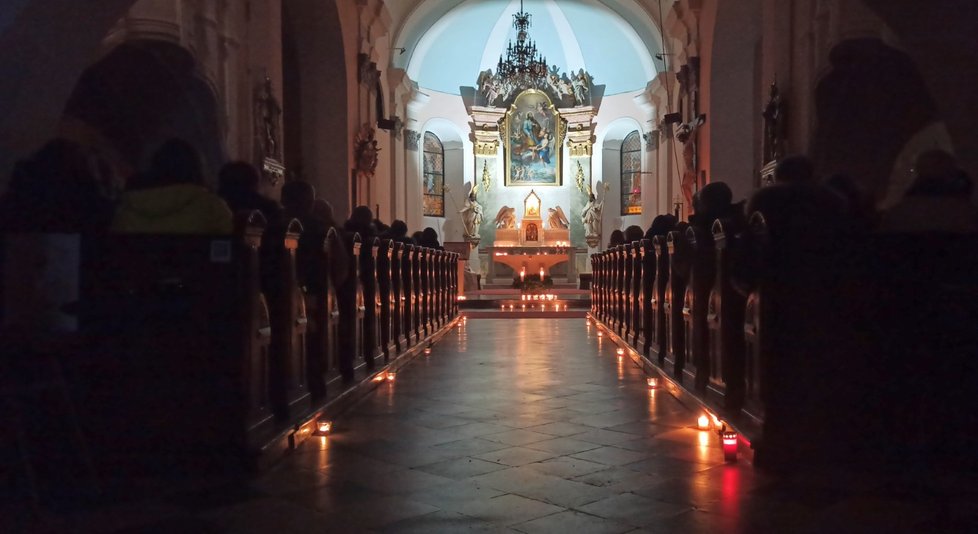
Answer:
[(532, 260), (527, 245)]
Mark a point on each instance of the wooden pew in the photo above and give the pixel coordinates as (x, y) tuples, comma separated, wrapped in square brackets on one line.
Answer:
[(660, 286), (350, 299), (725, 319), (385, 297), (397, 297), (702, 275), (334, 242), (756, 343), (410, 295), (647, 289), (635, 293), (677, 315), (625, 302), (289, 378), (182, 320), (371, 322)]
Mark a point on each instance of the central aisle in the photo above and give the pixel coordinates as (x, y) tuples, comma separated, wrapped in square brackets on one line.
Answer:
[(528, 424)]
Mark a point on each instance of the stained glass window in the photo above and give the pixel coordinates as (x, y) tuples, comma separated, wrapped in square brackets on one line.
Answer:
[(433, 187), (631, 174)]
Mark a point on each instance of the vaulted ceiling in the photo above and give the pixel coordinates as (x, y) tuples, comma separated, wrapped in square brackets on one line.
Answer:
[(448, 42)]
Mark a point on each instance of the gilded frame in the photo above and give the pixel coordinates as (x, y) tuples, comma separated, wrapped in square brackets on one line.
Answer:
[(531, 161)]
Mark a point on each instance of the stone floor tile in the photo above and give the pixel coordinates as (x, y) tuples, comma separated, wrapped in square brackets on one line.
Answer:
[(442, 522), (559, 429), (563, 446), (516, 456), (462, 468), (572, 521), (611, 456), (457, 494), (508, 509), (634, 509), (567, 467), (517, 437)]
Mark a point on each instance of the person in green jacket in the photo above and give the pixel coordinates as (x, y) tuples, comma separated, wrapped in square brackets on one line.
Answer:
[(171, 198)]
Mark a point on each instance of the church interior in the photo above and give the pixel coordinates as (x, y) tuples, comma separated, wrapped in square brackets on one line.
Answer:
[(488, 265)]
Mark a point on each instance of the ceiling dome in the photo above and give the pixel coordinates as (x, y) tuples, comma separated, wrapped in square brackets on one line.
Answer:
[(571, 34)]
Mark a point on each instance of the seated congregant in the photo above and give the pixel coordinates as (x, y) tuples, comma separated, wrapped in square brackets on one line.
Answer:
[(171, 197), (617, 238), (633, 233), (429, 239), (715, 201), (54, 191), (661, 225), (238, 186)]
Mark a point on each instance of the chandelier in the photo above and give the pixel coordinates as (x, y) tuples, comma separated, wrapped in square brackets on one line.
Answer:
[(523, 64)]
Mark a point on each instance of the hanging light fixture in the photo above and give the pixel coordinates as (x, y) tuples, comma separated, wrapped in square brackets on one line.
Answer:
[(523, 66)]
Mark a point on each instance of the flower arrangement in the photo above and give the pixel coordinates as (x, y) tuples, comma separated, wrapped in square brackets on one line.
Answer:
[(533, 284)]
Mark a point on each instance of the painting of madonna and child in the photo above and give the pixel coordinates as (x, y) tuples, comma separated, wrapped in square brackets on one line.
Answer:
[(533, 141)]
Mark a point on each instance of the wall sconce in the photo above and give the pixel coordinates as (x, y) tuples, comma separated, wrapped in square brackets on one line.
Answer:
[(729, 445)]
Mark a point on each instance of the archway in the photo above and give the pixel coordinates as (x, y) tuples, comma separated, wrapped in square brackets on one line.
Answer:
[(45, 45), (871, 104), (316, 89), (448, 227), (610, 141), (139, 95)]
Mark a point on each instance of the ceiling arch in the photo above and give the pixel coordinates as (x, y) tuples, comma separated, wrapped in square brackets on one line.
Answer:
[(448, 42)]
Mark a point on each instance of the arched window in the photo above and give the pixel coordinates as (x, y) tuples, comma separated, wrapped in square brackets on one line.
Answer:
[(631, 174), (434, 176)]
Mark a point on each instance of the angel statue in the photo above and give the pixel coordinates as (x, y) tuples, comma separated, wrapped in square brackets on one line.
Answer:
[(506, 218), (471, 217), (557, 219), (591, 216)]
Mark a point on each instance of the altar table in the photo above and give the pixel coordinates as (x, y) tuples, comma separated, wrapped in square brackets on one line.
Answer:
[(533, 258)]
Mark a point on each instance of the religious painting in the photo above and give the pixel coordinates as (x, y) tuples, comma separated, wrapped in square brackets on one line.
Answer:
[(533, 140)]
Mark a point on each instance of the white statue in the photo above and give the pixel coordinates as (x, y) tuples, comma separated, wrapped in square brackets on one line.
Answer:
[(506, 218), (471, 216), (591, 216), (557, 219)]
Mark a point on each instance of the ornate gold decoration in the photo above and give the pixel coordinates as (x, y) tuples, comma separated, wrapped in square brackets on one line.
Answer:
[(581, 179), (580, 150), (486, 176), (486, 148)]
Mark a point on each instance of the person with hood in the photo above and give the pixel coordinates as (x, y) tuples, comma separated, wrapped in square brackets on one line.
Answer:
[(173, 199)]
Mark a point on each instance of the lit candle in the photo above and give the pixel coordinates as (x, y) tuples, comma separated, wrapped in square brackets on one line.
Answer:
[(541, 274), (703, 422), (653, 382), (323, 427), (729, 446), (391, 375)]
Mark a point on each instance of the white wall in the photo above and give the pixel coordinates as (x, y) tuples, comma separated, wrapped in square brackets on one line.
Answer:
[(618, 116), (445, 116)]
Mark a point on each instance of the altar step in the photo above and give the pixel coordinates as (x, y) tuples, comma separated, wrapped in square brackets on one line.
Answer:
[(509, 303)]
